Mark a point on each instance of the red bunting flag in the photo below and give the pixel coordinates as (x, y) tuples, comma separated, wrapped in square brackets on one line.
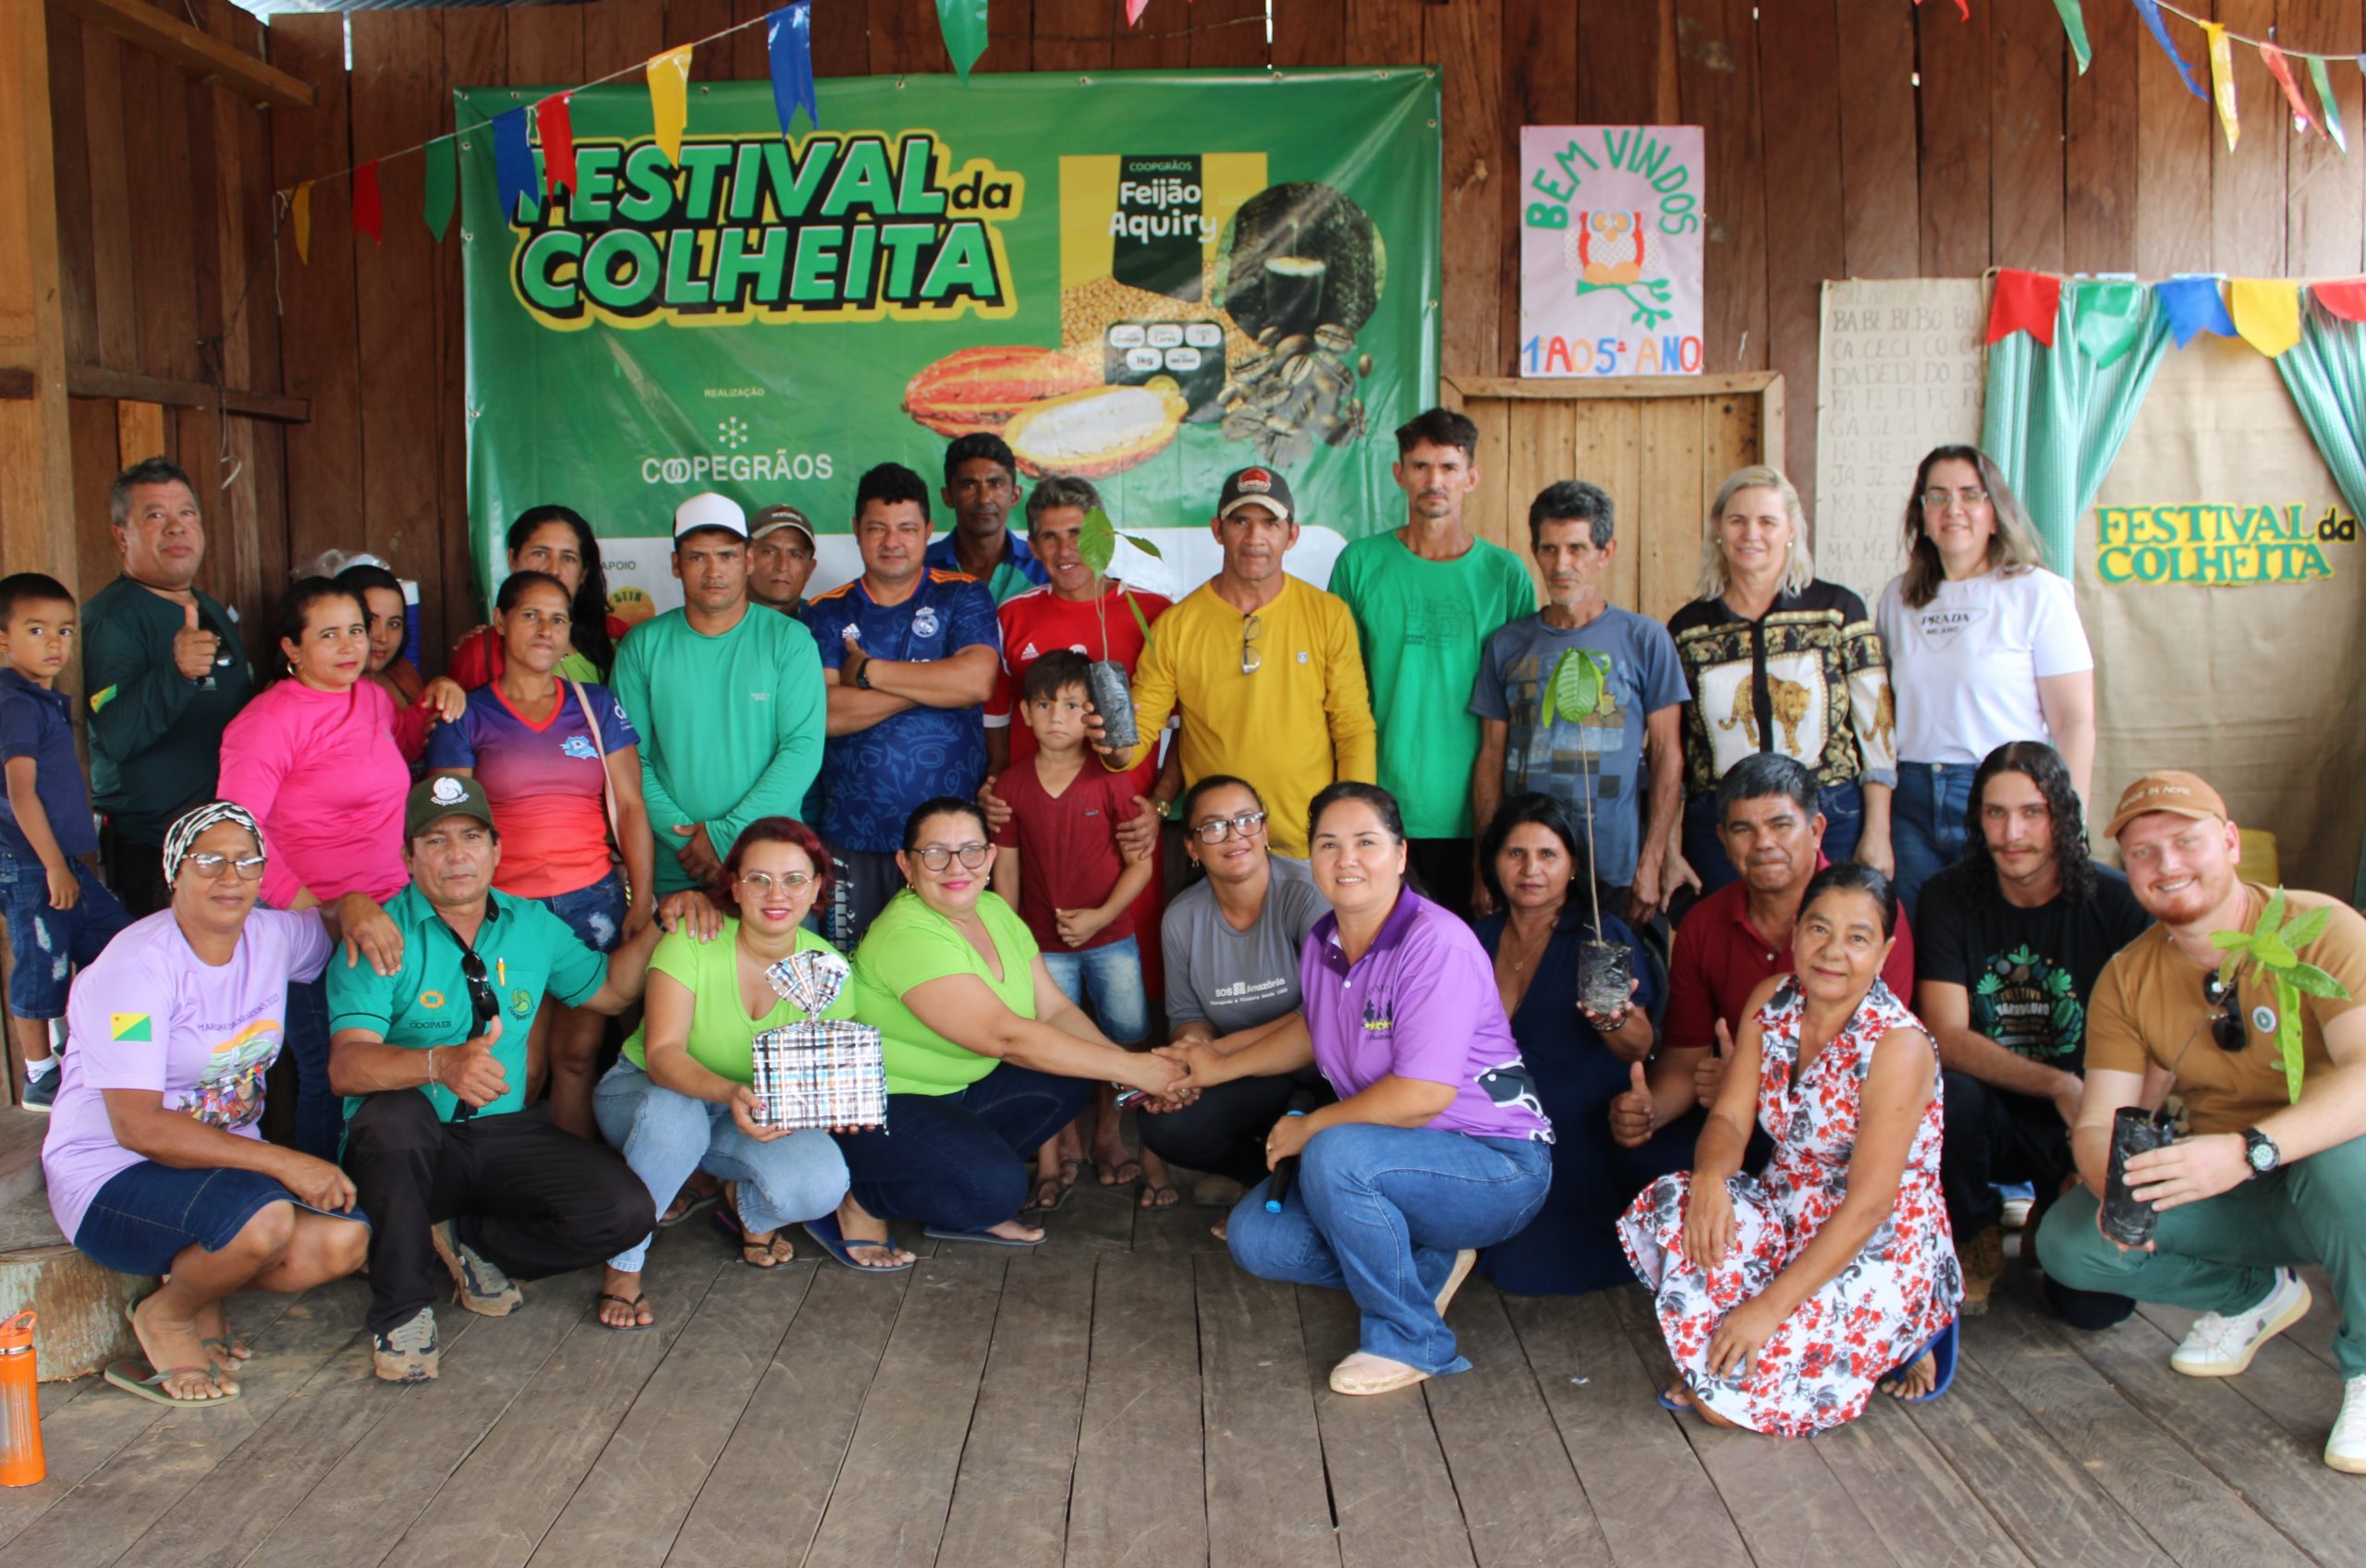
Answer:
[(2281, 69), (369, 209), (554, 119), (2347, 300), (2024, 302), (1134, 9), (1962, 5)]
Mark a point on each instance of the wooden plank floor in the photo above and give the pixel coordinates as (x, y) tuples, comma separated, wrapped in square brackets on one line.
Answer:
[(1125, 1396)]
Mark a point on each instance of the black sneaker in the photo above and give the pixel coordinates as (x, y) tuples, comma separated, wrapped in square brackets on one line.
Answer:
[(40, 1093), (407, 1353)]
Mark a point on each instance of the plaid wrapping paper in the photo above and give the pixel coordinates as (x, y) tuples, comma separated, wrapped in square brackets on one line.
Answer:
[(827, 1073)]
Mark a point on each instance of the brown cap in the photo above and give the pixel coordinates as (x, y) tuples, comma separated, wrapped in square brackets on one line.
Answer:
[(2183, 795), (772, 520)]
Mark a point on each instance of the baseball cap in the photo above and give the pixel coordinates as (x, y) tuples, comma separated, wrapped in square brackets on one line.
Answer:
[(772, 520), (434, 799), (2183, 795), (1264, 486), (708, 510)]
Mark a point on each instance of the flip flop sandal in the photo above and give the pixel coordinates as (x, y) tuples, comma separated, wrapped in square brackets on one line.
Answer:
[(125, 1374), (825, 1230), (1038, 1204), (1159, 1196), (690, 1209), (983, 1237), (727, 1220), (1941, 1348), (630, 1304), (1112, 1171)]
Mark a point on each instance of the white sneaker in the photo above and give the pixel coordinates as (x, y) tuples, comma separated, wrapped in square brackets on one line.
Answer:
[(2222, 1347), (2346, 1450)]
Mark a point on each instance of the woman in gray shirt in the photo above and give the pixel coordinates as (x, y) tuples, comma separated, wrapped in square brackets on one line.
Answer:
[(1232, 942)]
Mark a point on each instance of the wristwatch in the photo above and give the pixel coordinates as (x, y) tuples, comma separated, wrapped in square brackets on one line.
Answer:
[(2260, 1152), (863, 676)]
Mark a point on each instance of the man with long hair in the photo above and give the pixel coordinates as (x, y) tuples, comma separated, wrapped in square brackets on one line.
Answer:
[(2012, 939)]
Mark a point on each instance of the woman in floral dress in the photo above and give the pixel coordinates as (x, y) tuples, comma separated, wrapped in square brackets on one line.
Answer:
[(1785, 1298)]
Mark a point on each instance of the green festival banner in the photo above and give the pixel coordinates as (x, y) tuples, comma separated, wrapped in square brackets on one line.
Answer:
[(1145, 278)]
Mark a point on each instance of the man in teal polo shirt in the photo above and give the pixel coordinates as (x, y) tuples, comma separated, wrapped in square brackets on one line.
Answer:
[(447, 1156)]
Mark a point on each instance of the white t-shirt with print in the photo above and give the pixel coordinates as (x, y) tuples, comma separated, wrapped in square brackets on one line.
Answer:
[(1965, 667)]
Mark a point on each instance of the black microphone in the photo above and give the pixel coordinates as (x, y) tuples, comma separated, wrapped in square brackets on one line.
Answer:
[(1277, 1188)]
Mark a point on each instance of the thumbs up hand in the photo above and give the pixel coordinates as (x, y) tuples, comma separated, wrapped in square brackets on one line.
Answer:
[(1632, 1118), (1709, 1076), (194, 647)]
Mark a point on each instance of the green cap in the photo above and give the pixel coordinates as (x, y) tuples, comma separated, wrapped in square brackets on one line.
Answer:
[(434, 799)]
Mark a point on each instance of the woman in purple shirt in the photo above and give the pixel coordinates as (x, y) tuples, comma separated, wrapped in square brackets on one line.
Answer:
[(1437, 1145)]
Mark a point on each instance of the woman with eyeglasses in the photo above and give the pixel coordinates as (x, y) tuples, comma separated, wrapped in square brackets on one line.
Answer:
[(1232, 942), (560, 762), (681, 1099), (1985, 647), (986, 1056), (155, 1161)]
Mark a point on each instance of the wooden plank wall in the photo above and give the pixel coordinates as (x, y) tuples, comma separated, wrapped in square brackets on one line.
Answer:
[(1846, 137)]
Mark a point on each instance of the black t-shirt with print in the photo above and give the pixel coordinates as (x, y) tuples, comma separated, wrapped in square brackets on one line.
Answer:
[(2028, 971)]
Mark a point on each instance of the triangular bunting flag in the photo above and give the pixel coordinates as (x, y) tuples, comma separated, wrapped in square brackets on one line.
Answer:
[(2151, 11), (2074, 23), (2222, 80), (2106, 318), (369, 206), (441, 185), (556, 123), (2324, 101), (2281, 69), (788, 43), (2024, 302), (2192, 306), (669, 100), (1962, 5), (2266, 313), (2347, 300), (963, 22), (513, 164), (1134, 9), (299, 213)]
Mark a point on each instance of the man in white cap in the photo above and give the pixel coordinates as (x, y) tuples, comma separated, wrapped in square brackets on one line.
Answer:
[(781, 553), (729, 705), (2273, 1164)]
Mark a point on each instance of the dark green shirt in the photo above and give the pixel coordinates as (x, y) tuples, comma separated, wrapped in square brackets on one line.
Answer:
[(156, 735), (527, 952)]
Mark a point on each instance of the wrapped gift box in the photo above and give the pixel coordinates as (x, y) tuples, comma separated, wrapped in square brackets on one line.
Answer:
[(824, 1073)]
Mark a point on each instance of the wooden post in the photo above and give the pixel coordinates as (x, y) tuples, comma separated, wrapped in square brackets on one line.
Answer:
[(36, 449)]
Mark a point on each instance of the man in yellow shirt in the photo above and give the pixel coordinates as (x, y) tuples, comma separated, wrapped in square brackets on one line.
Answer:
[(1265, 669)]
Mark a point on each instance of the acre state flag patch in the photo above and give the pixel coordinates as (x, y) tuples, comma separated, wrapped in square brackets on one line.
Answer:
[(131, 1026)]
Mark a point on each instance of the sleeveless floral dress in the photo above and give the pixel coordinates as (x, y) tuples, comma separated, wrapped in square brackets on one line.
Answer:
[(1820, 1366)]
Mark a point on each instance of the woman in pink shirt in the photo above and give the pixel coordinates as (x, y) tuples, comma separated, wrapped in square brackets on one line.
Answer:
[(314, 759)]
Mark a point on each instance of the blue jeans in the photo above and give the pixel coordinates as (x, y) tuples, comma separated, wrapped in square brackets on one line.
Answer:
[(1380, 1213), (595, 913), (47, 946), (665, 1136), (320, 1115), (1107, 983), (1844, 824), (1926, 823), (959, 1161)]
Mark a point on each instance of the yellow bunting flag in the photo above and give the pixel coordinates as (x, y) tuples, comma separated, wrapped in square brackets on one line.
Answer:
[(300, 212), (669, 89), (2221, 80), (2266, 311)]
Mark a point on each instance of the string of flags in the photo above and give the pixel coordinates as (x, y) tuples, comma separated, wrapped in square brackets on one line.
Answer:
[(2106, 315)]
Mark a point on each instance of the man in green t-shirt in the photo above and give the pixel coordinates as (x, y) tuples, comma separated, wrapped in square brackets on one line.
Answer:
[(1425, 598), (448, 1157)]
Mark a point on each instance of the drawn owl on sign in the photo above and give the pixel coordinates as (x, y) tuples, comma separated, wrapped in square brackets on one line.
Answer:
[(1604, 249)]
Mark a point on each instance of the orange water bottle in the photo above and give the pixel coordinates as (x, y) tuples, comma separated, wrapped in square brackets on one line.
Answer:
[(21, 1463)]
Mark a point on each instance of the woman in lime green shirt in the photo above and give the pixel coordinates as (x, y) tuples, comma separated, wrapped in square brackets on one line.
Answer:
[(679, 1100), (986, 1057)]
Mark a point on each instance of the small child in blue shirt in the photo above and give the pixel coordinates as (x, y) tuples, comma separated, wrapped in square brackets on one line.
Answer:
[(59, 916)]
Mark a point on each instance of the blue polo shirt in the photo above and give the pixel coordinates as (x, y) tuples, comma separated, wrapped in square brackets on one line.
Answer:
[(1015, 573), (528, 953), (38, 722), (872, 779)]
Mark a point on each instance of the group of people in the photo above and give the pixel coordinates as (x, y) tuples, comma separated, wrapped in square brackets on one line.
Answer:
[(1367, 844)]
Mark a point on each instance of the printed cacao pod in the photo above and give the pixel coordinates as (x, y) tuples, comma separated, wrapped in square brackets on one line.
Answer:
[(1104, 429), (979, 389)]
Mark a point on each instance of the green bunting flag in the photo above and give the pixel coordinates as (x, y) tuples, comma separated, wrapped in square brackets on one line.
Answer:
[(2106, 318), (2324, 101), (2074, 22), (964, 25), (442, 184)]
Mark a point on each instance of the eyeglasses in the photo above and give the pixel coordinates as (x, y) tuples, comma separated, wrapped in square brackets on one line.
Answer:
[(1216, 829), (481, 1001), (767, 884), (1936, 499), (2227, 1024), (211, 867), (1250, 658), (937, 857)]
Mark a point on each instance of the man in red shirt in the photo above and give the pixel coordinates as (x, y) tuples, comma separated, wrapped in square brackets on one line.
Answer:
[(1737, 937)]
